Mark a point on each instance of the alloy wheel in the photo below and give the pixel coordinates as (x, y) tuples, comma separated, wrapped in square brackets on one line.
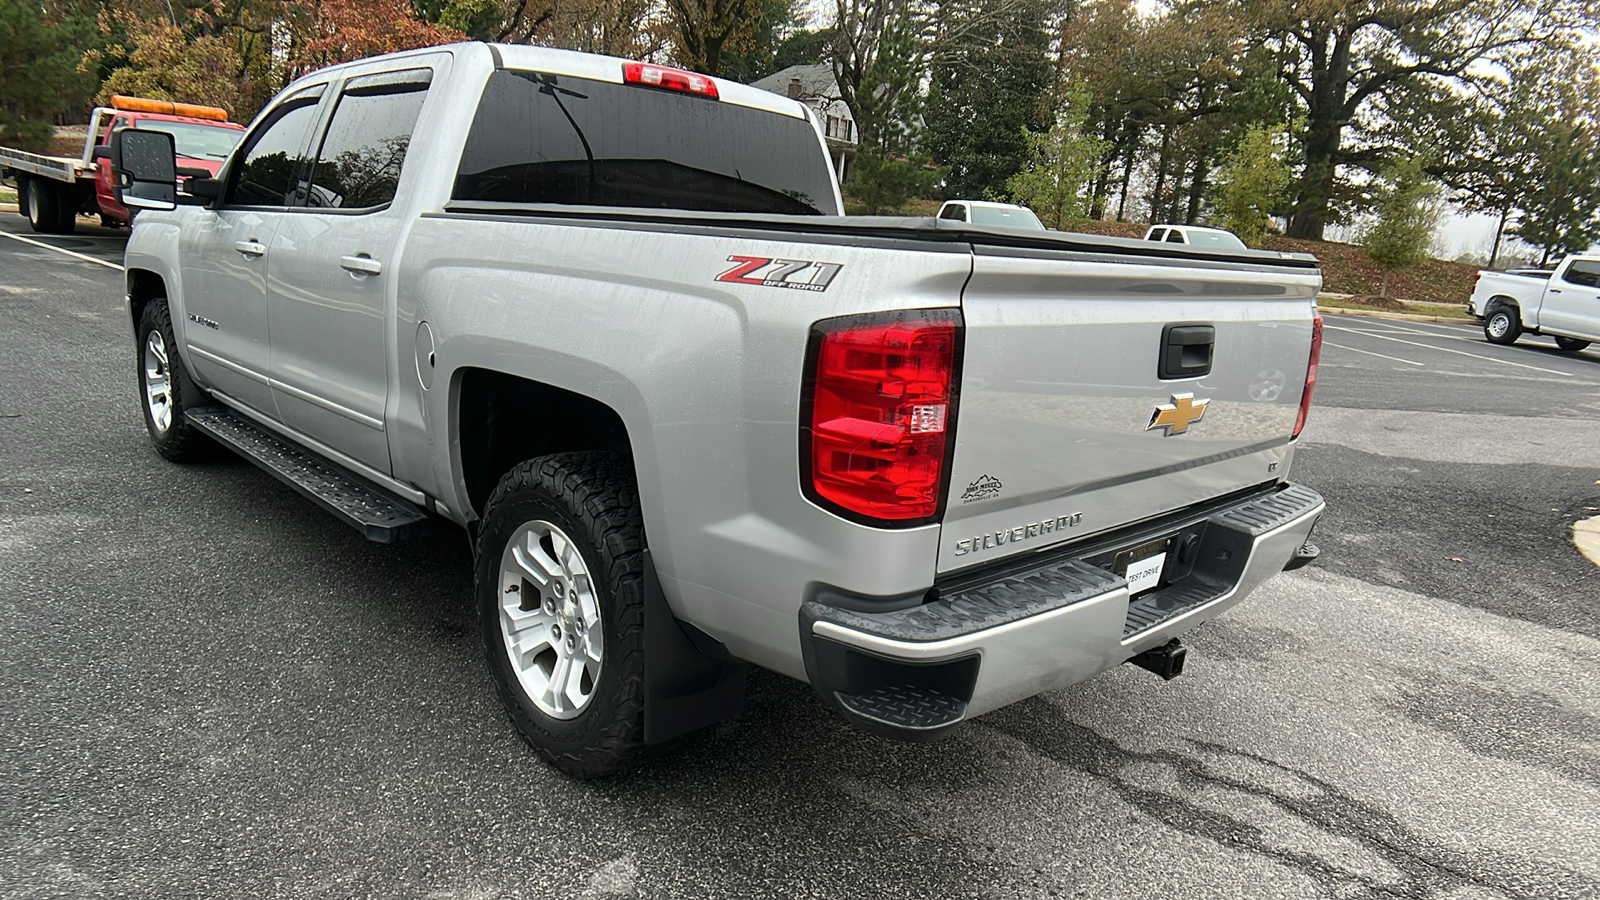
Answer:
[(550, 619), (157, 382)]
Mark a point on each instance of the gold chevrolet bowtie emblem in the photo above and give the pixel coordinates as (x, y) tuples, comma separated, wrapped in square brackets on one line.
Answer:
[(1177, 416)]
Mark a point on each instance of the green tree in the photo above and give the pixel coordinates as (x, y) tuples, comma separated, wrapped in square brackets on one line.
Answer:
[(635, 29), (1561, 209), (985, 93), (167, 64), (702, 29), (1056, 178), (1252, 183), (804, 47), (878, 59), (1353, 60), (752, 53), (39, 76), (1407, 211)]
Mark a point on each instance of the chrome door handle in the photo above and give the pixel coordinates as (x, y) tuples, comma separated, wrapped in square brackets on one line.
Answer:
[(250, 247), (360, 265)]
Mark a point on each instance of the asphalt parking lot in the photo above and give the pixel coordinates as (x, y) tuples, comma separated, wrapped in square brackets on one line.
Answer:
[(213, 689)]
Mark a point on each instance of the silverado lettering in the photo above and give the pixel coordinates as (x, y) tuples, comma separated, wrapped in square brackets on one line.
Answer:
[(994, 539)]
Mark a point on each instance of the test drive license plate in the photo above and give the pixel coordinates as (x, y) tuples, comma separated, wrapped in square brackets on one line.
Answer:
[(1144, 574), (1142, 565)]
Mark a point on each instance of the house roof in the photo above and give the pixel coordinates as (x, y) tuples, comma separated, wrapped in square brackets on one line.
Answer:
[(815, 81)]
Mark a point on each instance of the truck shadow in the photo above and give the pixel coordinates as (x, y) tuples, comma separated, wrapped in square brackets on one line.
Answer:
[(786, 799), (911, 816)]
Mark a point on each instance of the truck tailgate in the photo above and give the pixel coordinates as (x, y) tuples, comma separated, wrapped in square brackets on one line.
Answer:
[(1060, 432)]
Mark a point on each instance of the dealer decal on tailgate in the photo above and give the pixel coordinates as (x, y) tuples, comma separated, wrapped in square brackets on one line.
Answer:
[(800, 274)]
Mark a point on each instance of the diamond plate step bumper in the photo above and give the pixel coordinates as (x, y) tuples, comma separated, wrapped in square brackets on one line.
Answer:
[(1043, 622), (376, 513)]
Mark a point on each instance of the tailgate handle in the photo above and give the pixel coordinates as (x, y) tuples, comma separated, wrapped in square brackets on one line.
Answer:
[(1186, 350)]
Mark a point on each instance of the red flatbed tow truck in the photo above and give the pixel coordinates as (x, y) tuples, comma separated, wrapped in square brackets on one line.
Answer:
[(52, 191)]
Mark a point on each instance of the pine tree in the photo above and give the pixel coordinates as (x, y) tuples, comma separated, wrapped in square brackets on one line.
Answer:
[(39, 75), (1408, 210), (1252, 183)]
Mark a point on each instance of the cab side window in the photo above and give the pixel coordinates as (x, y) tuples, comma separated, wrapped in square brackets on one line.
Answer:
[(955, 212), (1175, 236), (1159, 234), (272, 161), (358, 165), (1584, 273)]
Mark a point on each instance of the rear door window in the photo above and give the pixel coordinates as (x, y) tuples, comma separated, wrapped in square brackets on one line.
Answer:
[(955, 212), (1584, 273), (358, 165), (1156, 234), (542, 138)]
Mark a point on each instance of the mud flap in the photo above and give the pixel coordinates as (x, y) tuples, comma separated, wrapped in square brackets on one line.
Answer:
[(689, 684)]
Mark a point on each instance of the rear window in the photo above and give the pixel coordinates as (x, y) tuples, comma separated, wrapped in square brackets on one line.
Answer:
[(1012, 218), (542, 138), (1215, 239)]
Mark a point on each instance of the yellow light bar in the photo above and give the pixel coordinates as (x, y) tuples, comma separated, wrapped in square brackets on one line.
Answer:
[(167, 107)]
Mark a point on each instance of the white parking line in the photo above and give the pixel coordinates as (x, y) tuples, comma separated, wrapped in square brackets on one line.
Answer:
[(1504, 362), (1370, 353), (1412, 329), (98, 262), (1475, 341), (1446, 331)]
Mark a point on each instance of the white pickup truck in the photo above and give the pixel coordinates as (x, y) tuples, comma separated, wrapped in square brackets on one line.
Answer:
[(1564, 304), (606, 317)]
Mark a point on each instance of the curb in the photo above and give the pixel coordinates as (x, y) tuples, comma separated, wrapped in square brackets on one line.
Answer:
[(1403, 317), (1586, 534)]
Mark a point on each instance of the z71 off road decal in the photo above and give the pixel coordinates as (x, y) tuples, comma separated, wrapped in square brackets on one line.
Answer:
[(800, 274)]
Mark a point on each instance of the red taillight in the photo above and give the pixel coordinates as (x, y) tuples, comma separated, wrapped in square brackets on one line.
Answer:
[(877, 414), (669, 79), (1311, 374)]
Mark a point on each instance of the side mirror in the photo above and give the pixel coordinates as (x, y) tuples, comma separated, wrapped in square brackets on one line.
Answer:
[(205, 188), (102, 151), (144, 168)]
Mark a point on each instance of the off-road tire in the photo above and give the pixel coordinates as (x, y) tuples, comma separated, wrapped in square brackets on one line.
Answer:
[(594, 499), (1503, 325), (180, 442), (1572, 345)]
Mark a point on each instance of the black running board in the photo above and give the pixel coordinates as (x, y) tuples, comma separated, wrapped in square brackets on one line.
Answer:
[(371, 510)]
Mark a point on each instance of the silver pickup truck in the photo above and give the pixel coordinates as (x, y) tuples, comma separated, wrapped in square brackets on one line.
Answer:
[(606, 316)]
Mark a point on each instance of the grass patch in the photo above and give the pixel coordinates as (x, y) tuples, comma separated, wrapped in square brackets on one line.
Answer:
[(7, 195), (855, 206)]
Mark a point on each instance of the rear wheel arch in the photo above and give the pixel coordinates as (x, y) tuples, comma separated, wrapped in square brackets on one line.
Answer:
[(499, 421), (1500, 300)]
